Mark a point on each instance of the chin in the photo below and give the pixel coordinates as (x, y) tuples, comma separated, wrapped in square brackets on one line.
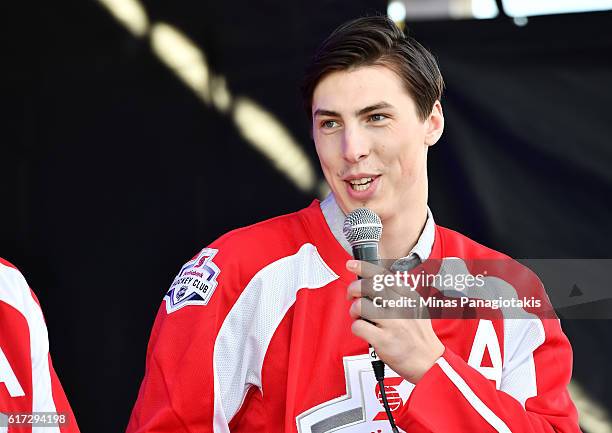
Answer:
[(383, 210), (350, 205)]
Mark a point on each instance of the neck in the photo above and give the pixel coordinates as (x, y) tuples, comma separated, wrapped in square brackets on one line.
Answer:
[(401, 232)]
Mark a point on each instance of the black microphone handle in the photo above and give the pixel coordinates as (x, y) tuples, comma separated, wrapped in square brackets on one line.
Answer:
[(368, 252)]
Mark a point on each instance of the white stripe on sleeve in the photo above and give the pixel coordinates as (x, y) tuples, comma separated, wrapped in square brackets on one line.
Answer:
[(472, 398)]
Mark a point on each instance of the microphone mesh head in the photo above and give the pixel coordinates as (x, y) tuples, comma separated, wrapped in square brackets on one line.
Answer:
[(362, 225)]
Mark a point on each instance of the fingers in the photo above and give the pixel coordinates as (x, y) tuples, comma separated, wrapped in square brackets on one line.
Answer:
[(362, 288), (369, 288), (354, 290), (367, 331), (364, 308), (387, 305), (365, 269), (355, 310), (383, 295)]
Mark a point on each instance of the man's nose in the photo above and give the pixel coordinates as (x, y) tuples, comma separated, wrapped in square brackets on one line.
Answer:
[(355, 145)]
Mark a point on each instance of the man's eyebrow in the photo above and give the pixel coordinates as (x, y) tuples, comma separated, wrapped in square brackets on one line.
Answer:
[(321, 112), (373, 107)]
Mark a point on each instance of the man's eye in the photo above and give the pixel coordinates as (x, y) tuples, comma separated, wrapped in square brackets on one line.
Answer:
[(329, 124), (377, 117)]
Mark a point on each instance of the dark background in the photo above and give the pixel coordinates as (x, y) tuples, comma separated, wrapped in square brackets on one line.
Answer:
[(113, 173)]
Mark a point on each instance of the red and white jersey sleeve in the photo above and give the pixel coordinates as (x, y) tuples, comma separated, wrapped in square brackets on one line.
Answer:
[(218, 347), (28, 382), (530, 396), (514, 376), (180, 391)]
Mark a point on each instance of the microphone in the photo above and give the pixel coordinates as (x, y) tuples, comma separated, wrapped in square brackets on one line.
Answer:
[(363, 229)]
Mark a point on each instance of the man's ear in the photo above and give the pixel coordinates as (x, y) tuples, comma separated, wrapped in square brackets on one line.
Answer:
[(435, 125)]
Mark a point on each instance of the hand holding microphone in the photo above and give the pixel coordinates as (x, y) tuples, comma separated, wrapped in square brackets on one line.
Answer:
[(408, 344)]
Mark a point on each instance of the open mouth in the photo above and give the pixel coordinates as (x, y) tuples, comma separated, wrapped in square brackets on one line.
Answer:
[(361, 184)]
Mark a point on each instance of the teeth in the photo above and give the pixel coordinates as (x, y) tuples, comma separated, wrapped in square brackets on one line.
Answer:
[(360, 184), (360, 187), (361, 181)]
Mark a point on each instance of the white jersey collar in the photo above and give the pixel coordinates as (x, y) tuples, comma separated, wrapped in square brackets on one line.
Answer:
[(335, 220)]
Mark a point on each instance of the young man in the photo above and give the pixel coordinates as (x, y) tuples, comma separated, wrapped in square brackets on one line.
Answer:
[(270, 341), (28, 383)]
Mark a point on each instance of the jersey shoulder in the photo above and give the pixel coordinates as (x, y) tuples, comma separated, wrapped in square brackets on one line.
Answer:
[(278, 235), (7, 263), (14, 288), (456, 244), (236, 258), (481, 259)]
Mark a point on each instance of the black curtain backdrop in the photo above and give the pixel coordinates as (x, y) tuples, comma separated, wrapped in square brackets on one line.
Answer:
[(113, 173)]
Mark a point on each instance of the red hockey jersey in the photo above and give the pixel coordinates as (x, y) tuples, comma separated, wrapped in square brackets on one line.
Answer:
[(254, 335), (28, 383)]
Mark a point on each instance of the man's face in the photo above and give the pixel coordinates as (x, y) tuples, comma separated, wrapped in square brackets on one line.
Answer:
[(370, 141)]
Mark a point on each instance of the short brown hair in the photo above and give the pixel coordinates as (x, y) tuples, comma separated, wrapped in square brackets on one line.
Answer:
[(376, 40)]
